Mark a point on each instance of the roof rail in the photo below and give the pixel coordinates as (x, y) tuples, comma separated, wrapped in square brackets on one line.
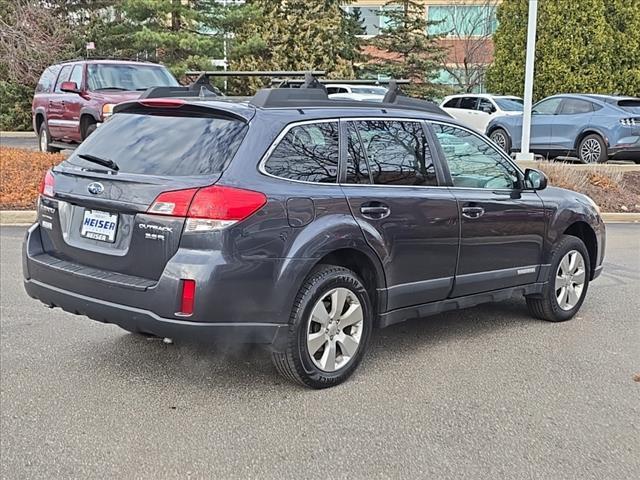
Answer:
[(293, 83), (395, 97), (88, 59), (257, 73), (288, 97)]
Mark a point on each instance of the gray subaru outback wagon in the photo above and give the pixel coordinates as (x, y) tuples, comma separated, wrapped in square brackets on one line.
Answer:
[(301, 223)]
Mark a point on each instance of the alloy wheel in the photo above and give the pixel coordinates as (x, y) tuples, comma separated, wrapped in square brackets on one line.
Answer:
[(499, 139), (570, 280), (590, 151), (334, 329)]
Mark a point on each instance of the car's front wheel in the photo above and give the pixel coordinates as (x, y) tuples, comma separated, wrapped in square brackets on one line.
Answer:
[(44, 140), (501, 138), (567, 282), (329, 329), (592, 149)]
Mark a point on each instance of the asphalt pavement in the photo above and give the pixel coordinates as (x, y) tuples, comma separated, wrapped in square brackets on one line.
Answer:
[(484, 393)]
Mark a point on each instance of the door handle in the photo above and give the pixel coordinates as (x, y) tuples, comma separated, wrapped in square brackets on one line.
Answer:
[(375, 210), (472, 212)]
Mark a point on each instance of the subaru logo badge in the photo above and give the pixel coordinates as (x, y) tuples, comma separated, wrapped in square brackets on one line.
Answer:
[(96, 188)]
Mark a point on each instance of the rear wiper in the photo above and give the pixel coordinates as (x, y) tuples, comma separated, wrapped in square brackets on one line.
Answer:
[(105, 162)]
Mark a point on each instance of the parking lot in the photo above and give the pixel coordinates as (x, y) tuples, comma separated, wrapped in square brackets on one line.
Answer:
[(481, 393)]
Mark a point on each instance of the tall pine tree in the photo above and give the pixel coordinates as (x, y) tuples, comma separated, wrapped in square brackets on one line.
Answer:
[(406, 50), (295, 35)]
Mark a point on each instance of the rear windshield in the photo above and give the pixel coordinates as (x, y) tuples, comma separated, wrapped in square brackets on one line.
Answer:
[(162, 145), (127, 77), (630, 105)]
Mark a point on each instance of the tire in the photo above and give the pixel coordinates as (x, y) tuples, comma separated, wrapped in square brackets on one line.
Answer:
[(326, 286), (44, 140), (501, 138), (89, 130), (592, 149), (547, 305)]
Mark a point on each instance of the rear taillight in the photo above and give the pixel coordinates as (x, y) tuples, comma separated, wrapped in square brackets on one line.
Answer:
[(47, 184), (188, 297), (209, 208)]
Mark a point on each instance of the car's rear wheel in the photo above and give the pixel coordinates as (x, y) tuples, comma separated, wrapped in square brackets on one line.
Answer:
[(330, 328), (592, 149), (501, 138), (567, 282), (44, 140)]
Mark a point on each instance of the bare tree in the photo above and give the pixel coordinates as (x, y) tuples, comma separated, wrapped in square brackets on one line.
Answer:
[(31, 39), (469, 41)]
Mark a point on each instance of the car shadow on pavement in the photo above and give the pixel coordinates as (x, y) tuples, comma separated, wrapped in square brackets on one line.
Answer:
[(196, 365)]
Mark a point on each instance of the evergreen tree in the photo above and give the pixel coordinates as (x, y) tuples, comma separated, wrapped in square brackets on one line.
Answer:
[(175, 33), (591, 46), (407, 50), (294, 35)]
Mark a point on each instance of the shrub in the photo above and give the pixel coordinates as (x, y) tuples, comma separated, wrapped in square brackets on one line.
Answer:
[(20, 174), (15, 107)]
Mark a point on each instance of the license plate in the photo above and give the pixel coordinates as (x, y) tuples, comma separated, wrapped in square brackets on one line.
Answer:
[(98, 225)]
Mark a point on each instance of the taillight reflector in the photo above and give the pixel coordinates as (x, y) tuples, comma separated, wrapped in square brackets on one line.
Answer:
[(188, 297), (47, 184), (175, 203)]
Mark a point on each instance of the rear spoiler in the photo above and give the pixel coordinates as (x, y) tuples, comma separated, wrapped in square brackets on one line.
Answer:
[(167, 104)]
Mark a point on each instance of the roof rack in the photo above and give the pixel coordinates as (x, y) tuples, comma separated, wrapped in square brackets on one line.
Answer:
[(312, 93)]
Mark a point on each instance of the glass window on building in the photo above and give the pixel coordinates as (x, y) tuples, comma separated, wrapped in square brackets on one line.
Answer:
[(462, 20), (372, 17)]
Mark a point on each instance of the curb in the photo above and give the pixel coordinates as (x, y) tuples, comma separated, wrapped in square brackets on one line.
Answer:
[(17, 134), (27, 217)]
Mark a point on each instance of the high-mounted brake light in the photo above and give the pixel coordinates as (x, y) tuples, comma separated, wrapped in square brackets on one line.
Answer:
[(47, 184), (209, 208), (162, 102)]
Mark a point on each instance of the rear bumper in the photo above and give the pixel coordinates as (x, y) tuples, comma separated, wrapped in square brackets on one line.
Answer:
[(238, 300), (144, 321)]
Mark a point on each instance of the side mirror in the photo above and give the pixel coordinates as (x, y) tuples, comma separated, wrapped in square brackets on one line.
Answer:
[(69, 87), (535, 179), (488, 109)]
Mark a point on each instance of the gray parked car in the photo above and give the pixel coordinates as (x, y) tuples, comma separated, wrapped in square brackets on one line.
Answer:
[(594, 128), (301, 223)]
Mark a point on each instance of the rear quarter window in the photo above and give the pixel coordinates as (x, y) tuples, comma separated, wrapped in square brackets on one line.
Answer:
[(47, 80), (163, 145), (307, 153)]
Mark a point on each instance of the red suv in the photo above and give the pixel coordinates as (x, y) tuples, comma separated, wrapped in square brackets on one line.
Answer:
[(73, 98)]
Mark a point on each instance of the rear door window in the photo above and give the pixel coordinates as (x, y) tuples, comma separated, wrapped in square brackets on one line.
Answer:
[(469, 103), (573, 106), (163, 145), (307, 153), (398, 152)]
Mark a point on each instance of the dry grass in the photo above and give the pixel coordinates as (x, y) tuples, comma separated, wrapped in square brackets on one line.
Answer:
[(20, 174), (564, 176), (612, 189)]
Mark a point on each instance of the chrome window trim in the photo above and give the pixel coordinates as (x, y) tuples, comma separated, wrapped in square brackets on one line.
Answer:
[(289, 126)]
